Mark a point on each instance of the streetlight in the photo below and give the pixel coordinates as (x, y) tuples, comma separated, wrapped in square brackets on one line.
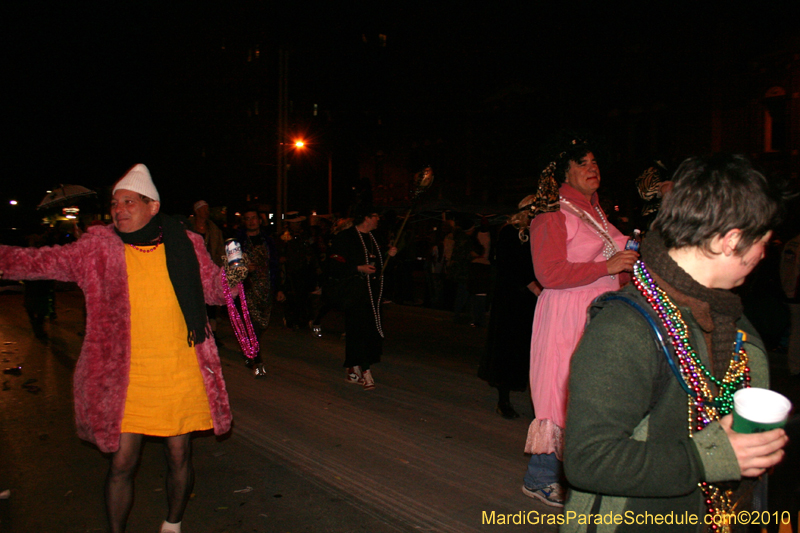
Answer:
[(283, 167), (300, 144)]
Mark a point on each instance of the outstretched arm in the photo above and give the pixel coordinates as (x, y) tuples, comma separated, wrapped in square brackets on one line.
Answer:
[(49, 262)]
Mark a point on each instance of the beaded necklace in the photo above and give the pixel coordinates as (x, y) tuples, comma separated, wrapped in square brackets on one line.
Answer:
[(375, 307), (156, 244), (703, 406), (242, 325), (609, 246)]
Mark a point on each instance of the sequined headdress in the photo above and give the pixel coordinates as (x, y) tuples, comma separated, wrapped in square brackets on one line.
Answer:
[(546, 200), (648, 185)]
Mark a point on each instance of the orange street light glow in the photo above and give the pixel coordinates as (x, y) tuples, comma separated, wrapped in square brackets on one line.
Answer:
[(299, 144)]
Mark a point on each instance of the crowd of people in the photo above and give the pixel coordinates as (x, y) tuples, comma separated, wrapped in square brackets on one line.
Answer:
[(610, 431)]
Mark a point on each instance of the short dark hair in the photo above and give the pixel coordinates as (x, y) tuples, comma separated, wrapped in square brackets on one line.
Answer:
[(251, 207), (714, 194)]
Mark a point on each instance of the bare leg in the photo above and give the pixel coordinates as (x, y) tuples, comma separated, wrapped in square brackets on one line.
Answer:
[(119, 482), (180, 475)]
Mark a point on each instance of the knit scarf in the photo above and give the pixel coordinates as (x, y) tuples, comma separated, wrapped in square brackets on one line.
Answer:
[(716, 310), (183, 268)]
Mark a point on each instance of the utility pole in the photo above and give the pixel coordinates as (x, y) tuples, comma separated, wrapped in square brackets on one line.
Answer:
[(283, 117)]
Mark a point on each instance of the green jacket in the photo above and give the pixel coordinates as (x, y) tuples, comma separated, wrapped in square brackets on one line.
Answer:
[(628, 442)]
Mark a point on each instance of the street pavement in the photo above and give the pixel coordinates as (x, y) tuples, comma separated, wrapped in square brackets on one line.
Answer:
[(424, 451)]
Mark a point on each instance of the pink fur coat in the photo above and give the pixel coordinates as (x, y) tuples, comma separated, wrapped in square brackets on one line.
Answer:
[(97, 263)]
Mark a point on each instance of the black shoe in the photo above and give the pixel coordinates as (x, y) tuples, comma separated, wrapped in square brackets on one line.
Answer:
[(507, 411), (249, 362)]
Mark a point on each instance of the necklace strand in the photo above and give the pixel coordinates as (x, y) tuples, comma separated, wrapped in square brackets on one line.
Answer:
[(375, 308), (154, 246), (242, 325), (609, 246), (703, 406)]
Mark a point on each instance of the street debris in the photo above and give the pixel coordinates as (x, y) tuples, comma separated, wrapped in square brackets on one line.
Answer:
[(13, 371), (243, 491)]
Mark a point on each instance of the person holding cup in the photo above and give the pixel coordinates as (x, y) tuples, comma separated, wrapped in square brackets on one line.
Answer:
[(652, 381)]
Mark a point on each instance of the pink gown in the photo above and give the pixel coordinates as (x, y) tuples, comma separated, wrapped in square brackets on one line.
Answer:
[(572, 276)]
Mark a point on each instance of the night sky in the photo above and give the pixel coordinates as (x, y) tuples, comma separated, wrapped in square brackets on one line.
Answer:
[(93, 88)]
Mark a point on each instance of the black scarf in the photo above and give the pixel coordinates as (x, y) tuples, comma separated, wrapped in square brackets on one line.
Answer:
[(183, 268)]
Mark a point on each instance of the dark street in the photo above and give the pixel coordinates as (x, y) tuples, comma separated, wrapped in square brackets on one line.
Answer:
[(424, 451)]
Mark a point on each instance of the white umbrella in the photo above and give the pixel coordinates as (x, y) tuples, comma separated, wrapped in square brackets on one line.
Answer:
[(64, 195)]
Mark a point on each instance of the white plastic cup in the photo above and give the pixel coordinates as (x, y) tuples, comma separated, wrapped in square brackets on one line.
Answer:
[(756, 410)]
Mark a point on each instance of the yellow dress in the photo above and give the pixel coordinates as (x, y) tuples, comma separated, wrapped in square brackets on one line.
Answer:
[(166, 395)]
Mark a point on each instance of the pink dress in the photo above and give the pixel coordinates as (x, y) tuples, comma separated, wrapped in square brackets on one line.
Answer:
[(569, 263)]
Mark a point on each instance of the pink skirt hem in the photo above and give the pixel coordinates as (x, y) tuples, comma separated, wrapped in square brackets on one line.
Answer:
[(544, 437)]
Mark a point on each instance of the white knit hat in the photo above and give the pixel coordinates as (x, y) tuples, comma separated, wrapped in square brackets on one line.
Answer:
[(138, 180)]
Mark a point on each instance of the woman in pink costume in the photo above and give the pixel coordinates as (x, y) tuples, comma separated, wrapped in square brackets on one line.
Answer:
[(577, 255)]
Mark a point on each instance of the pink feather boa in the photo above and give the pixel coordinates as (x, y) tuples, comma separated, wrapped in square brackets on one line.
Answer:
[(97, 263)]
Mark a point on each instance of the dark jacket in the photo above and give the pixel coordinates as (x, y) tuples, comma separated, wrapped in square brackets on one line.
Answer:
[(627, 429)]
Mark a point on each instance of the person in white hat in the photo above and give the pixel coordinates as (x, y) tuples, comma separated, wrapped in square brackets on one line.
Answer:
[(148, 365)]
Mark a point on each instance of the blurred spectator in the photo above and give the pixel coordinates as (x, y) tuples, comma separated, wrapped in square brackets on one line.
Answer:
[(262, 264), (434, 269), (790, 280), (299, 265), (506, 362), (479, 277), (201, 224), (458, 265)]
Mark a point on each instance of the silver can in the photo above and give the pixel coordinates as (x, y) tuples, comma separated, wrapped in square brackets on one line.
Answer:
[(233, 251)]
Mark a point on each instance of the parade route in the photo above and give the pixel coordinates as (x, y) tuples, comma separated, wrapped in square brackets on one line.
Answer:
[(424, 451)]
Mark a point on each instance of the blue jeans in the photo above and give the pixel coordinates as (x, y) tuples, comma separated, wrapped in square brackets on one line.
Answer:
[(543, 470)]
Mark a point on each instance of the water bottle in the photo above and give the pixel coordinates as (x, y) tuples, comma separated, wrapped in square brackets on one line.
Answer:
[(635, 241)]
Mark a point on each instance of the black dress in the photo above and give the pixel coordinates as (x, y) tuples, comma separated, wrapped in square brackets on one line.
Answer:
[(364, 339), (508, 349)]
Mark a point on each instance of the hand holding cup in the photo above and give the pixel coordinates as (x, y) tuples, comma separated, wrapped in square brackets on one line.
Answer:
[(755, 452)]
